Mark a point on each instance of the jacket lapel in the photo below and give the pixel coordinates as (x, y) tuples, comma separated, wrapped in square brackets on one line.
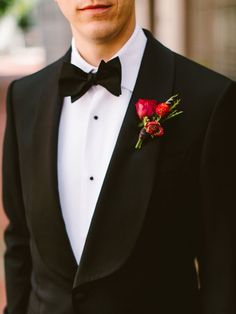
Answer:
[(47, 221), (127, 187)]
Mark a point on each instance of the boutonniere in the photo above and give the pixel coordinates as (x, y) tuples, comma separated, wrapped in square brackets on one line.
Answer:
[(153, 115)]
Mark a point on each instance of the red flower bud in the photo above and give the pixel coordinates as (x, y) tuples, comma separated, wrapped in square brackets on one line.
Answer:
[(145, 108), (162, 109), (160, 132), (152, 127)]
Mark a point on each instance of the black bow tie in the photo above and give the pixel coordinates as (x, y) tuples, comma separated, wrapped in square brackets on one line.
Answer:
[(75, 83)]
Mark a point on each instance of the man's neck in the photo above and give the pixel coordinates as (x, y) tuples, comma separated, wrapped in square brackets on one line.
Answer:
[(93, 52)]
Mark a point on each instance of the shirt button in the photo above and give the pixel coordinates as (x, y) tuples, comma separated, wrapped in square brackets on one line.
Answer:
[(95, 117), (91, 178)]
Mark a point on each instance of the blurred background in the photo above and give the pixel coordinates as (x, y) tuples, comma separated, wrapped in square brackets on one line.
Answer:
[(33, 33)]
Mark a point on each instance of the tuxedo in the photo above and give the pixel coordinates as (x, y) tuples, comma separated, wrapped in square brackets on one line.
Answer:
[(162, 209)]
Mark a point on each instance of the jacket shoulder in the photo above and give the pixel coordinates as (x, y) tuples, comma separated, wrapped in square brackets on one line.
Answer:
[(41, 76), (188, 72), (199, 75)]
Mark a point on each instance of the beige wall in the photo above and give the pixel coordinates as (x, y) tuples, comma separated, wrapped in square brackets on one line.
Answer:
[(170, 24), (203, 30), (211, 34)]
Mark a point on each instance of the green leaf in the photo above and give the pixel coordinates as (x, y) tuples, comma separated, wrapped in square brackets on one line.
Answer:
[(174, 115), (172, 98), (175, 104)]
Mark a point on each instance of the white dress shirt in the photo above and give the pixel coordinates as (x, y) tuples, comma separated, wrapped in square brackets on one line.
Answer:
[(88, 132)]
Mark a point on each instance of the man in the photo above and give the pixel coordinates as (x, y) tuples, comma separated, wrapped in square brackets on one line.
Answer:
[(96, 225)]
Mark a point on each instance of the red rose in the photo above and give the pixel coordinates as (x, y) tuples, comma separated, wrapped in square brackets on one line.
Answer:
[(152, 127), (162, 109), (145, 108)]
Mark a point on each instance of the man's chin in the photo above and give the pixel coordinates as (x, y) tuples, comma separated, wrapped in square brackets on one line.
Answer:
[(99, 31)]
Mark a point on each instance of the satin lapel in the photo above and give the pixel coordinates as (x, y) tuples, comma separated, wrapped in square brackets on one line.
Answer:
[(47, 221), (128, 184)]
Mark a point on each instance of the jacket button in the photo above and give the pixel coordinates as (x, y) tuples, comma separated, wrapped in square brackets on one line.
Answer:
[(80, 295), (78, 298)]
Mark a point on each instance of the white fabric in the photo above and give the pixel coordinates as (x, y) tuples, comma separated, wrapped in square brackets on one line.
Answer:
[(85, 144)]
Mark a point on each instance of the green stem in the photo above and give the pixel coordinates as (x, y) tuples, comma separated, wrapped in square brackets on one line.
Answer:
[(139, 144)]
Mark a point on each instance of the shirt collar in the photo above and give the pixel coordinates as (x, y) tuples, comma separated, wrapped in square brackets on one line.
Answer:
[(130, 57)]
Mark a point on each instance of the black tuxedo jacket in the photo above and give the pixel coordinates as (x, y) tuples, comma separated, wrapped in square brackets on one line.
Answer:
[(162, 236)]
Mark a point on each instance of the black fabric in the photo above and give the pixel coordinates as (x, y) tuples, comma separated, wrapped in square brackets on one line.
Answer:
[(160, 209), (75, 83)]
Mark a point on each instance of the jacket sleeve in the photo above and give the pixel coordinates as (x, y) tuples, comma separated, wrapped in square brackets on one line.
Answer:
[(18, 264), (218, 182)]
